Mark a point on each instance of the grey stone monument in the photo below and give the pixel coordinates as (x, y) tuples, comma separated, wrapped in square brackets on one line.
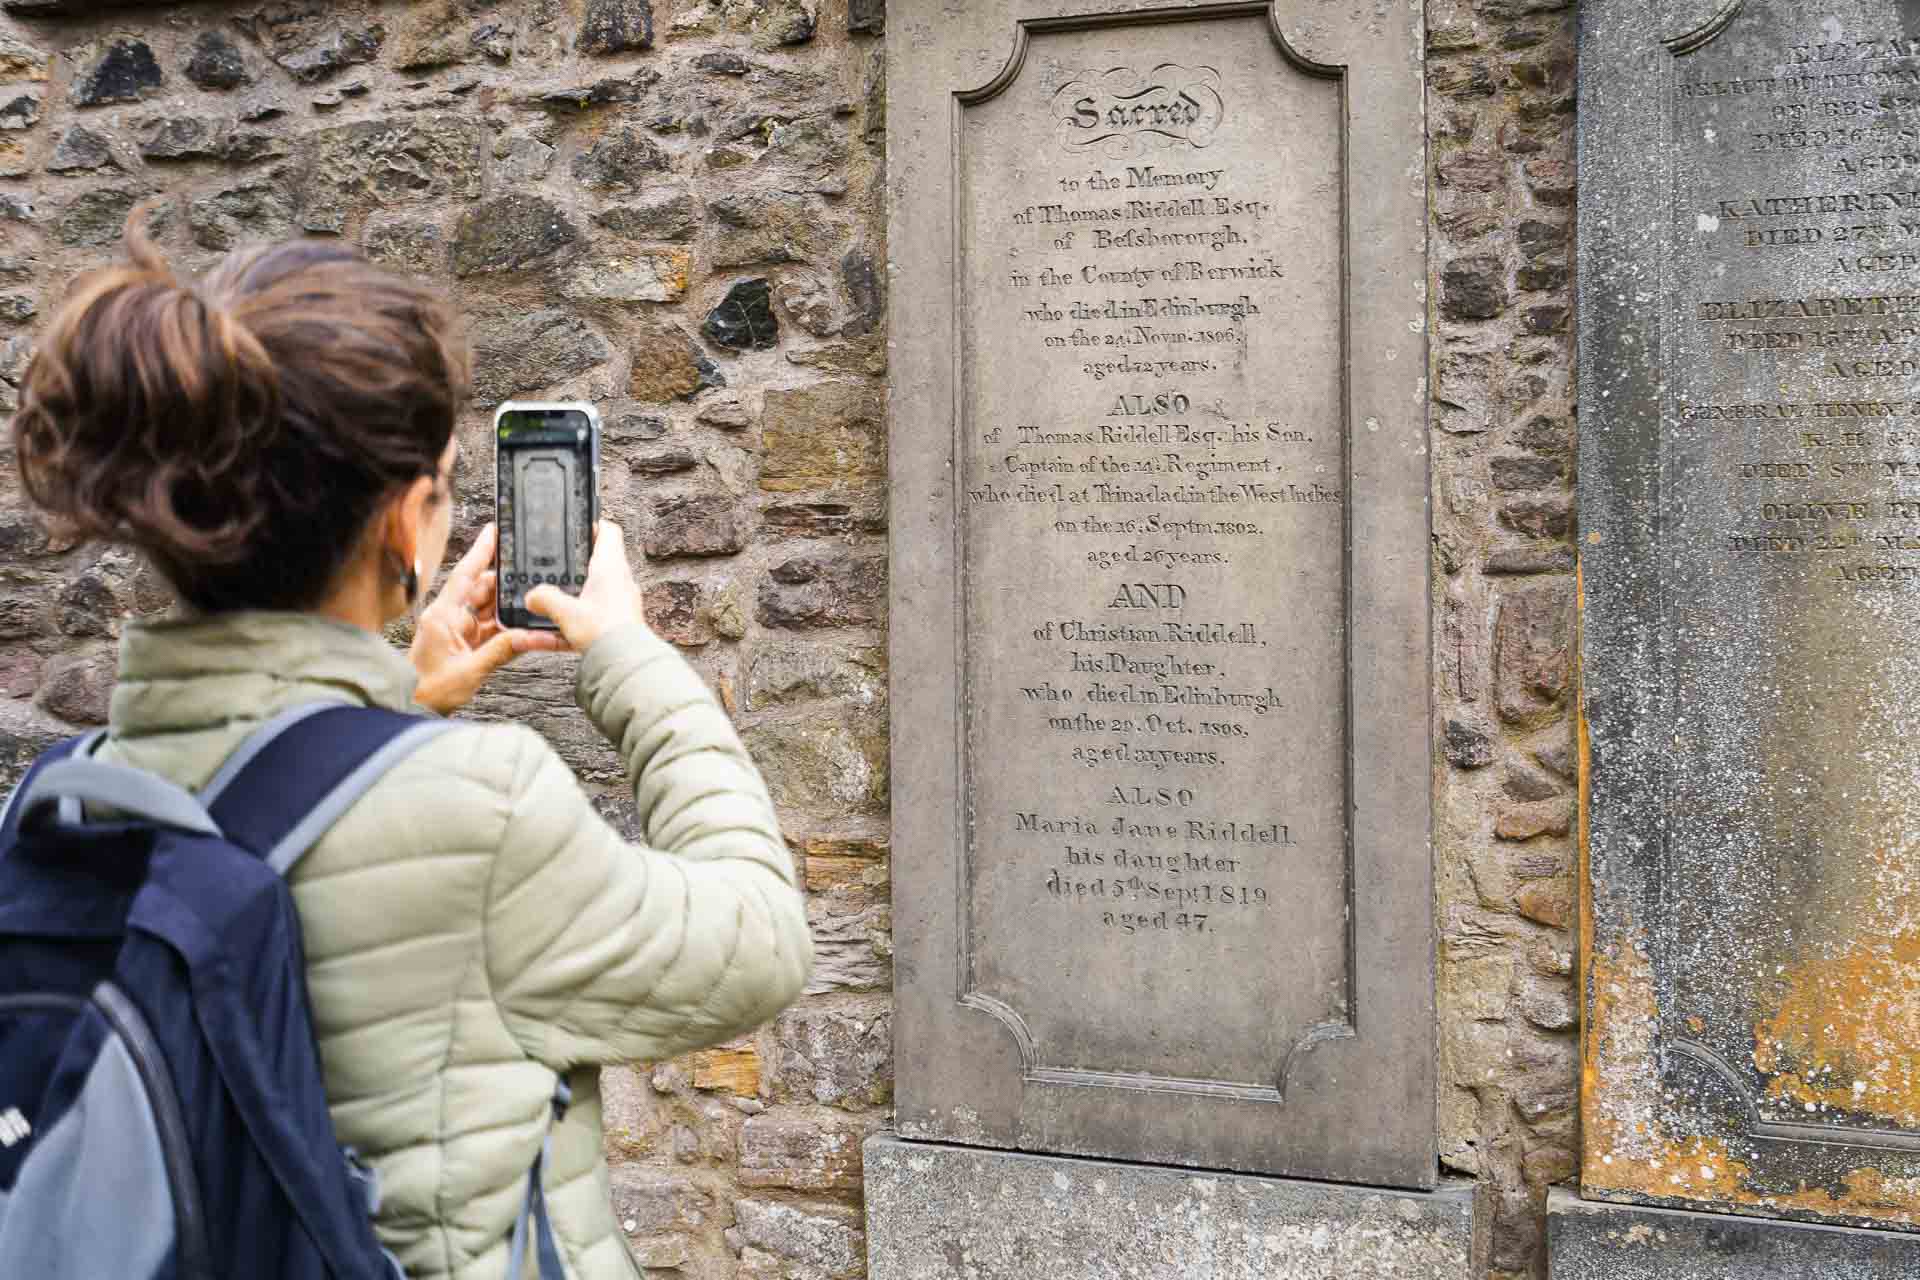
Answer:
[(1161, 744), (1750, 532)]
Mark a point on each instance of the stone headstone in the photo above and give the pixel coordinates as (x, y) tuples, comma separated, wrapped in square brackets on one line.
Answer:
[(1159, 584), (1750, 530)]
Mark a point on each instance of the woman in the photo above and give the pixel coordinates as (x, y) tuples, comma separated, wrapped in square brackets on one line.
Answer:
[(278, 440)]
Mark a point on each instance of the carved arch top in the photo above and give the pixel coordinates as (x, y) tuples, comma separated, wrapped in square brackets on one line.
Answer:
[(1025, 29), (1693, 24)]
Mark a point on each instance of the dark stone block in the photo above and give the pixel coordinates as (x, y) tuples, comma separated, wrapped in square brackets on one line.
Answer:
[(662, 462), (1467, 747), (77, 687), (123, 70), (863, 288), (22, 111), (1532, 653), (508, 234), (600, 93), (669, 365), (250, 211), (670, 216), (1517, 473), (1538, 276), (745, 320), (216, 62), (612, 26), (1536, 239), (867, 17), (1587, 1240), (706, 524), (395, 160), (87, 607), (181, 138), (824, 591), (1555, 558), (1473, 288), (308, 39), (722, 62), (1540, 517), (793, 23), (1546, 320), (96, 218), (619, 160), (673, 611), (79, 149), (520, 352), (629, 427)]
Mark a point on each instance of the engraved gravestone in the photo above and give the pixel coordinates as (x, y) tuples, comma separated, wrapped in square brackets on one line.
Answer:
[(1161, 762), (1750, 514)]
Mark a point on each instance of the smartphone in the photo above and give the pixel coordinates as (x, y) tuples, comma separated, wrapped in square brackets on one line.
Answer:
[(546, 486)]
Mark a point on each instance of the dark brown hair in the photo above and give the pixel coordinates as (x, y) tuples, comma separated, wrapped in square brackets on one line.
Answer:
[(243, 429)]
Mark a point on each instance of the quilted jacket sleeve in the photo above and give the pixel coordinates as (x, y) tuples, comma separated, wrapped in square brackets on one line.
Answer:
[(601, 951)]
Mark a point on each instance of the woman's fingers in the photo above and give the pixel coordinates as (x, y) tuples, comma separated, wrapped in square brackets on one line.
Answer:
[(538, 641), (476, 561), (480, 595)]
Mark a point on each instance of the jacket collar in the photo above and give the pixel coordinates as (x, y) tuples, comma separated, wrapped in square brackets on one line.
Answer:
[(194, 671)]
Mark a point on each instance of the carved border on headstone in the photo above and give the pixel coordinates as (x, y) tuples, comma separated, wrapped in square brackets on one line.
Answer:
[(1685, 1047), (958, 1079), (1026, 29), (1655, 1089), (1785, 1131), (1698, 37), (1319, 1034)]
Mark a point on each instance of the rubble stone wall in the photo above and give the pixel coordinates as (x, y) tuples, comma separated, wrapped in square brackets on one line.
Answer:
[(674, 209)]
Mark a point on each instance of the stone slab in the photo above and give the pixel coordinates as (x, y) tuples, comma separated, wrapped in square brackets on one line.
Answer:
[(938, 1212), (1158, 467), (1749, 268), (1587, 1240)]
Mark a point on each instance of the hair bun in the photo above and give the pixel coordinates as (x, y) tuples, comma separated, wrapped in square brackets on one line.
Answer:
[(243, 429), (142, 397)]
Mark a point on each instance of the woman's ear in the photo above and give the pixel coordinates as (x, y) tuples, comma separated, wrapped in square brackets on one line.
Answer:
[(407, 516)]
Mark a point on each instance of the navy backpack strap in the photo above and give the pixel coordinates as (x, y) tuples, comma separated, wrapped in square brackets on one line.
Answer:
[(292, 779)]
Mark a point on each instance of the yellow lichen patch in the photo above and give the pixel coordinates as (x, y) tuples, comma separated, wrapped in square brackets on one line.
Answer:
[(1843, 1031), (1627, 1148), (1843, 1026)]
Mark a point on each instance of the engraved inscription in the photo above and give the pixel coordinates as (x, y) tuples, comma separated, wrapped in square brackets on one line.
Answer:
[(1122, 112), (1153, 497), (1790, 482)]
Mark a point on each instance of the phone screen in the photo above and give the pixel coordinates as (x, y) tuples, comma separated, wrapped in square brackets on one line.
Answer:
[(545, 505)]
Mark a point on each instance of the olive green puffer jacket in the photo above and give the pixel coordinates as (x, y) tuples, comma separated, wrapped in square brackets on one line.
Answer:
[(473, 927)]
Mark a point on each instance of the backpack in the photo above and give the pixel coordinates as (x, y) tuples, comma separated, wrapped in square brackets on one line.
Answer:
[(162, 1109)]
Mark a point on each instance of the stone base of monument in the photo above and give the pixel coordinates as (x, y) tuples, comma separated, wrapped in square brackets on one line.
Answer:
[(1588, 1240), (937, 1212)]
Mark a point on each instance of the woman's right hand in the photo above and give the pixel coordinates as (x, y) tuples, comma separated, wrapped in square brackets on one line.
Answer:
[(609, 600)]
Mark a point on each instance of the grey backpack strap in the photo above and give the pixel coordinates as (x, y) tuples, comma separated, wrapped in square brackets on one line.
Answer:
[(293, 846), (534, 1227), (134, 792), (82, 747)]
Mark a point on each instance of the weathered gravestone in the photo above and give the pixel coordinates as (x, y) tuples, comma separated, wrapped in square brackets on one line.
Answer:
[(1750, 515), (1159, 478)]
